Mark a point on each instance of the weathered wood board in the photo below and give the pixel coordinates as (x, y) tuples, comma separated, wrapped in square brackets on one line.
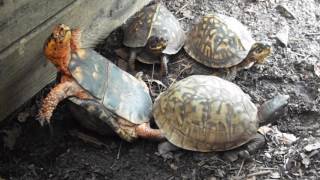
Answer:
[(23, 69)]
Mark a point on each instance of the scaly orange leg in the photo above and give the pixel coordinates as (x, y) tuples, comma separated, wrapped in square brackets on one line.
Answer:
[(145, 131), (57, 94)]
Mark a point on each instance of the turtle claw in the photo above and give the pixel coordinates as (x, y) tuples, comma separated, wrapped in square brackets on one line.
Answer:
[(42, 118)]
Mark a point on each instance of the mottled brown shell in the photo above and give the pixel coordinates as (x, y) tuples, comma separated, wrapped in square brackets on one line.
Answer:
[(218, 41), (154, 20), (206, 113)]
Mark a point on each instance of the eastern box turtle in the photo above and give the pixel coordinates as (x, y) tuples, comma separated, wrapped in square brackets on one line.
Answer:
[(220, 41), (107, 93), (152, 34), (207, 113)]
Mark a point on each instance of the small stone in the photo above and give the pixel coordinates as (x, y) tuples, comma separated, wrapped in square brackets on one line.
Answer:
[(311, 147), (285, 12), (268, 155), (23, 116), (283, 36), (275, 175), (188, 14), (305, 160)]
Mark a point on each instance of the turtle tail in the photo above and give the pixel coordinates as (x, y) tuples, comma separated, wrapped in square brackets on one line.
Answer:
[(271, 108)]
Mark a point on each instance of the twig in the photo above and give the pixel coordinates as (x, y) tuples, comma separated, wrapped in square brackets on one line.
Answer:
[(259, 173), (267, 168), (118, 154), (157, 82), (240, 168), (182, 18), (86, 138), (180, 9), (312, 34), (184, 69)]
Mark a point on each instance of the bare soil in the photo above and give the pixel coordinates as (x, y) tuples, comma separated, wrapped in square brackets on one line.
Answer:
[(60, 152)]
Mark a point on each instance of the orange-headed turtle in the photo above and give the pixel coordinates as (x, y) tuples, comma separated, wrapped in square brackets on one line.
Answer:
[(220, 41), (97, 86), (207, 113), (152, 34)]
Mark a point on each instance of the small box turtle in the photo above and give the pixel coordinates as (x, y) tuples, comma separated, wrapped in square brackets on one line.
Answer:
[(220, 41), (152, 34)]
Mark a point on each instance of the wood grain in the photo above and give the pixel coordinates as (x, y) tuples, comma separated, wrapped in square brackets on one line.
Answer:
[(23, 68)]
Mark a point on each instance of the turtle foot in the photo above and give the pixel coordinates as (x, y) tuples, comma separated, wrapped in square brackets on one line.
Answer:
[(247, 150), (165, 150)]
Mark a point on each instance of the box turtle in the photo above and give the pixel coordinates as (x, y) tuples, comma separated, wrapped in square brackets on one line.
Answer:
[(220, 41), (207, 113), (152, 34), (107, 93)]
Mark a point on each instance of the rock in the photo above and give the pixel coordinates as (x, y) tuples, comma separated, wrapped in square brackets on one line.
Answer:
[(316, 68), (311, 147), (305, 159), (275, 175), (285, 12), (283, 36), (188, 14)]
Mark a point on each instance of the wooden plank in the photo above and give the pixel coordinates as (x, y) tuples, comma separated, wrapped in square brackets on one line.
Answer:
[(17, 18), (23, 69)]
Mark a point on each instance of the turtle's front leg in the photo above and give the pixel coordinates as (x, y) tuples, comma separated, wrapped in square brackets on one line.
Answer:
[(57, 94), (231, 73), (164, 65), (244, 152), (132, 60)]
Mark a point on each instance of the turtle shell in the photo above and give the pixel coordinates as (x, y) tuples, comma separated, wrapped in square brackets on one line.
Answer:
[(206, 113), (117, 90), (218, 41), (154, 20)]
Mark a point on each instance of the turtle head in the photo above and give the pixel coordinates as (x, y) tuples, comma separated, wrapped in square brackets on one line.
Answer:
[(57, 44), (272, 108), (157, 44), (259, 51), (57, 47)]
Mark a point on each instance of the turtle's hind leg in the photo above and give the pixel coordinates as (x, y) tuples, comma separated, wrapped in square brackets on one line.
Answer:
[(165, 149), (145, 131), (132, 60)]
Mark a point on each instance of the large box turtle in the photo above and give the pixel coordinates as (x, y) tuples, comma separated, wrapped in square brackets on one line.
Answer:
[(207, 113), (100, 88)]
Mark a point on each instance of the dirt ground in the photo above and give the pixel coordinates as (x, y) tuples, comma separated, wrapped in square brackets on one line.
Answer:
[(59, 152)]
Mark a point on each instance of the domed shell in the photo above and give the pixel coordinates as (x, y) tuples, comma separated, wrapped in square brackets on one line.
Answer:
[(154, 20), (206, 113), (117, 90), (218, 41)]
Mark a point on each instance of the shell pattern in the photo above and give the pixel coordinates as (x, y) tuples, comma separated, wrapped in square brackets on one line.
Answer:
[(206, 113), (218, 41), (154, 20), (116, 89)]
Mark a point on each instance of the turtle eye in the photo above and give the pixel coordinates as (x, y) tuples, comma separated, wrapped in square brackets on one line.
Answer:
[(259, 50)]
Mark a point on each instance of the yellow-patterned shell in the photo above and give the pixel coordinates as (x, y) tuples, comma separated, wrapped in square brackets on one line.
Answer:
[(206, 113), (155, 20), (218, 41)]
